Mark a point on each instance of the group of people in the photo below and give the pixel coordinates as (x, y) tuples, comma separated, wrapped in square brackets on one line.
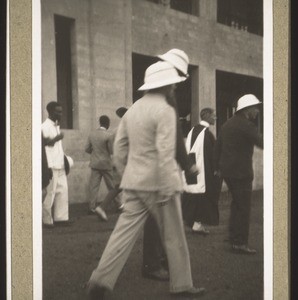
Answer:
[(148, 154)]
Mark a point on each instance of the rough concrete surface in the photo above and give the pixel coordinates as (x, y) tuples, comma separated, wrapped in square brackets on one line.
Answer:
[(71, 253)]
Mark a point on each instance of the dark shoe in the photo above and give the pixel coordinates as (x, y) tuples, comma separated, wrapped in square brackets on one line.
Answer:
[(160, 275), (64, 223), (95, 292), (192, 293), (91, 212), (243, 249)]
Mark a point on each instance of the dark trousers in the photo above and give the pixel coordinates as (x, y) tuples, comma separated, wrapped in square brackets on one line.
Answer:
[(241, 190), (194, 208), (154, 257)]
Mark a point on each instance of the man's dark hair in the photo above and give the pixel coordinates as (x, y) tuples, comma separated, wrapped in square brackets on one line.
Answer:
[(104, 121), (206, 111), (51, 106), (120, 112)]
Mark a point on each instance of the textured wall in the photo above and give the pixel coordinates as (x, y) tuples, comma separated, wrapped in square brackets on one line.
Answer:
[(107, 32)]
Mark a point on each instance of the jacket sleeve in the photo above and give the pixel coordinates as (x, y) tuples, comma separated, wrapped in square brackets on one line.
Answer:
[(166, 148), (121, 147), (110, 142), (253, 135), (181, 155), (88, 146), (217, 153)]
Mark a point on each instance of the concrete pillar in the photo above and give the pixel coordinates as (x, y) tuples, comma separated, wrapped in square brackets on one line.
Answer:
[(208, 9), (207, 89), (128, 52)]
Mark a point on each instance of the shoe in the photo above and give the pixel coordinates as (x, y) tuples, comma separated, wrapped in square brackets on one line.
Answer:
[(243, 249), (64, 223), (95, 292), (101, 213), (198, 228), (91, 212), (160, 275), (192, 293)]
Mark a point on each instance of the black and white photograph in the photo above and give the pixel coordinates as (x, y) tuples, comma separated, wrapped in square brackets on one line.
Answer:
[(152, 149)]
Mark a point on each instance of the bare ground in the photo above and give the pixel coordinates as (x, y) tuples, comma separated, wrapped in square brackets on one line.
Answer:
[(71, 253)]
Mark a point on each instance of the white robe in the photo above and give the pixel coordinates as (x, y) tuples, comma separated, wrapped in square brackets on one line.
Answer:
[(198, 149)]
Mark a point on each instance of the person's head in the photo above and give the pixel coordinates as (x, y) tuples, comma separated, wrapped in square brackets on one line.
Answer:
[(208, 115), (54, 110), (120, 112), (248, 105), (161, 77), (104, 121), (178, 58)]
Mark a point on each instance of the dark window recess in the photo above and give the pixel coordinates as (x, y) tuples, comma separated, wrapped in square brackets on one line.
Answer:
[(241, 14), (63, 30), (187, 6), (229, 88), (184, 90)]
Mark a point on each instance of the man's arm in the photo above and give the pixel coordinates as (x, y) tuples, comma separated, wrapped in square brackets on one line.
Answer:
[(88, 146), (166, 147), (51, 142), (252, 133), (216, 155), (121, 147)]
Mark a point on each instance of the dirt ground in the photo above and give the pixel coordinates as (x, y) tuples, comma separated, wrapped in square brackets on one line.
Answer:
[(71, 253)]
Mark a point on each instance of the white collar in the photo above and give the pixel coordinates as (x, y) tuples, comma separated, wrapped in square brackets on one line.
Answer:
[(204, 123), (102, 128), (53, 122)]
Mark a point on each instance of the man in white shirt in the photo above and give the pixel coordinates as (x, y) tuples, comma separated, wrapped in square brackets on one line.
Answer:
[(57, 191)]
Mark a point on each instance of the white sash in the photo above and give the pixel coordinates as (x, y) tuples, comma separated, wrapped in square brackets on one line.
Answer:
[(198, 149)]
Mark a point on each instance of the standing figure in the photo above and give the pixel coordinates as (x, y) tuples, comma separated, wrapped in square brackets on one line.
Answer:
[(56, 198), (113, 193), (99, 146), (155, 265), (200, 200), (144, 152), (233, 158)]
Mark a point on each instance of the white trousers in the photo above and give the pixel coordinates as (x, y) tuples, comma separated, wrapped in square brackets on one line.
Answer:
[(168, 215), (56, 198)]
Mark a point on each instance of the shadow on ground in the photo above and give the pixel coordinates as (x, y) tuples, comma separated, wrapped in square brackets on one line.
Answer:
[(71, 253)]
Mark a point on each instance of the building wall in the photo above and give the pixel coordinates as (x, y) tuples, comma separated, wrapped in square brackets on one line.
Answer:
[(107, 32)]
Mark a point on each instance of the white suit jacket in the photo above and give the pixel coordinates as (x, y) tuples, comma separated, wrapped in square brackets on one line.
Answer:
[(145, 147)]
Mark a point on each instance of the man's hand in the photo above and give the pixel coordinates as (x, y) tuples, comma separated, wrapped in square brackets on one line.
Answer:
[(163, 197), (193, 171), (51, 142), (217, 173)]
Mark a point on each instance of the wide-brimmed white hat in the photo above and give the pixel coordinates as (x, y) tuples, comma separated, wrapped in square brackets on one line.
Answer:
[(246, 101), (178, 58), (160, 74), (68, 163)]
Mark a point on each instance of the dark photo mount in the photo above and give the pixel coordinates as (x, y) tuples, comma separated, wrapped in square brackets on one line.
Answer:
[(3, 253)]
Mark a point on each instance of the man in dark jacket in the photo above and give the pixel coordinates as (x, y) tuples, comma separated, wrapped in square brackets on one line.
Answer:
[(233, 158)]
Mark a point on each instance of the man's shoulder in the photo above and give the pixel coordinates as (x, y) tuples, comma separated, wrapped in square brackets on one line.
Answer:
[(47, 124), (100, 134)]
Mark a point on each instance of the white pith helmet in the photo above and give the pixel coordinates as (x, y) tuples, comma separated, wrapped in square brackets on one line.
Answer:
[(177, 58), (160, 74), (246, 101), (70, 161)]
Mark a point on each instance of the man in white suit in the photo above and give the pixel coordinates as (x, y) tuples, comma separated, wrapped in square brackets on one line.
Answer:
[(144, 152)]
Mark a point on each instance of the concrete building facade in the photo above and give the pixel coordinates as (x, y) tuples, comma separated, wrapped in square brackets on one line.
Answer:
[(94, 53)]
